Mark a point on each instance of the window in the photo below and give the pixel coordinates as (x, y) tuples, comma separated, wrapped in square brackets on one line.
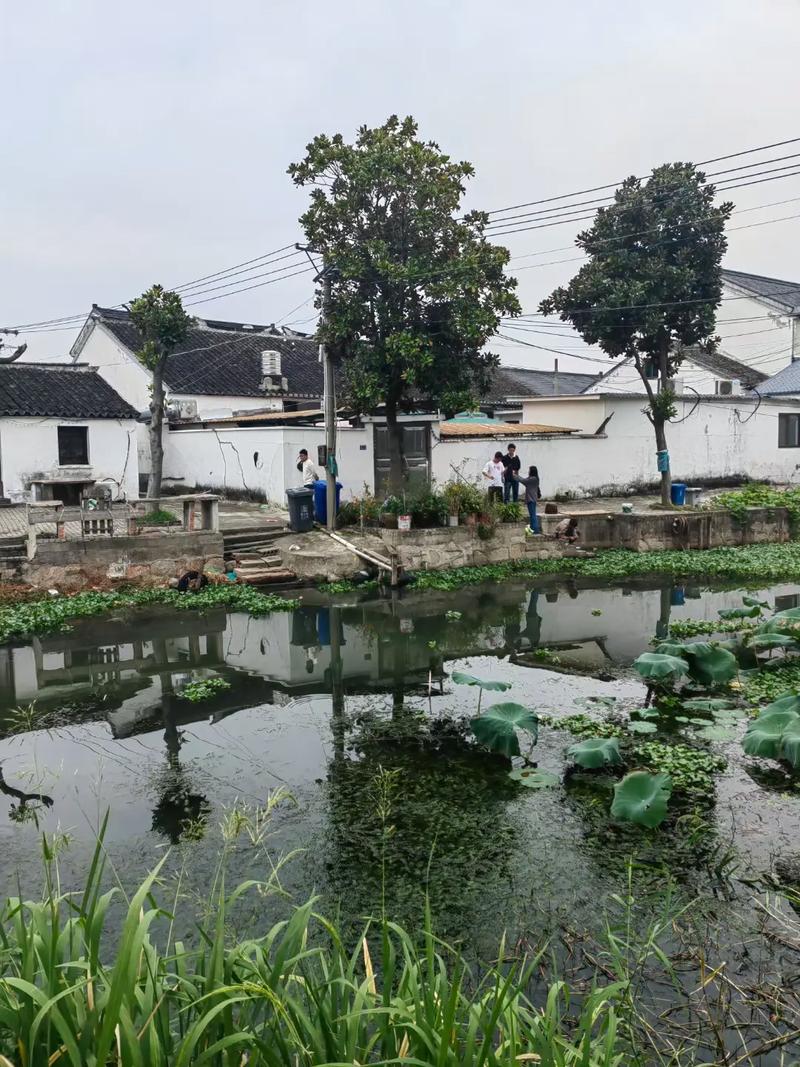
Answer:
[(650, 367), (724, 388), (73, 446), (789, 431), (784, 603)]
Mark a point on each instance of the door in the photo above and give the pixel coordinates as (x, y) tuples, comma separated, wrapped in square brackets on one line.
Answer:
[(416, 457)]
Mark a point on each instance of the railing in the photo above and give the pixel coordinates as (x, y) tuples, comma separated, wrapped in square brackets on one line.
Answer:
[(198, 511)]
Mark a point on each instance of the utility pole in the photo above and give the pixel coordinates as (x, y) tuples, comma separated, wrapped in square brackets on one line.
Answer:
[(329, 388), (329, 406)]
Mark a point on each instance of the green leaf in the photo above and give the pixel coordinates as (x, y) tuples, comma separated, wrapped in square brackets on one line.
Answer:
[(637, 727), (767, 641), (469, 679), (532, 778), (642, 798), (787, 702), (707, 704), (646, 713), (595, 752), (718, 733), (672, 648), (452, 615), (597, 611), (657, 667), (763, 736), (790, 744), (791, 614), (752, 602), (751, 612), (497, 727), (745, 656), (710, 664)]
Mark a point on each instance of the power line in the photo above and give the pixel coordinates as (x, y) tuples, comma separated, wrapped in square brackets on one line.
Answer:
[(613, 185)]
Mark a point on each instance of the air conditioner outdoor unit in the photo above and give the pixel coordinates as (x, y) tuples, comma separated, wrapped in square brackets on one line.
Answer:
[(673, 385), (725, 388), (182, 410)]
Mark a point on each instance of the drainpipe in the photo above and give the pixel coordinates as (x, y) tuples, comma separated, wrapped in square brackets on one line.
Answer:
[(555, 377)]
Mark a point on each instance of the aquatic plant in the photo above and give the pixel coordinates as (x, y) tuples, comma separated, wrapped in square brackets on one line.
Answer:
[(497, 727), (532, 778), (659, 668), (461, 678), (582, 725), (642, 798), (758, 495), (595, 752), (691, 770), (775, 734), (204, 689), (55, 613)]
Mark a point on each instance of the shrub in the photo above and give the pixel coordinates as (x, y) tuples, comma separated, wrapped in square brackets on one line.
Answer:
[(360, 509), (511, 512), (428, 508), (159, 517), (463, 498)]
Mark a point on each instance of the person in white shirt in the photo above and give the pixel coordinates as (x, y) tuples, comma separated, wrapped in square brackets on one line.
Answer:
[(307, 469), (493, 473)]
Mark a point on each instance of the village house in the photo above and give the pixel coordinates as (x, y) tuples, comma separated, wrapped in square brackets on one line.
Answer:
[(63, 430), (222, 369)]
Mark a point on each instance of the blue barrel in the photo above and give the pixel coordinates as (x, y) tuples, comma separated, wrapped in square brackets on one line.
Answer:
[(321, 500), (678, 494)]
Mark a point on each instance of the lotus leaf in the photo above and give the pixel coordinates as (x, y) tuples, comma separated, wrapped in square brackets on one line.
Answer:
[(790, 744), (646, 713), (745, 656), (706, 704), (469, 679), (497, 727), (763, 736), (787, 702), (637, 727), (659, 667), (751, 612), (595, 752), (531, 778), (791, 615), (718, 733), (768, 640), (710, 664), (671, 648), (642, 798), (752, 602)]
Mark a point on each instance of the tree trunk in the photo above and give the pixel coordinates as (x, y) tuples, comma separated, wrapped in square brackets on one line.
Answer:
[(395, 440), (156, 427)]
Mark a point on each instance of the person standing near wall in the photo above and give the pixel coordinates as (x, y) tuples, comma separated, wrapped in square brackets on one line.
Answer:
[(308, 472), (533, 495), (493, 472), (512, 465)]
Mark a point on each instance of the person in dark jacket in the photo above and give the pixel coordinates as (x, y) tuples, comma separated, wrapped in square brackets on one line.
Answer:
[(512, 464), (533, 495)]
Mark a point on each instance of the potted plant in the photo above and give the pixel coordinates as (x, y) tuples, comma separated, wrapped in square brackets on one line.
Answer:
[(390, 509)]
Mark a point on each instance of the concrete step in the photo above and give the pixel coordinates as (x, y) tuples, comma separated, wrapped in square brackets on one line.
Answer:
[(268, 576), (253, 535)]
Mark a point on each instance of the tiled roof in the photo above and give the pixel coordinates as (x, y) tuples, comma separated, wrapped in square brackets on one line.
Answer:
[(498, 429), (786, 381), (723, 366), (783, 293), (64, 392), (522, 381), (224, 358)]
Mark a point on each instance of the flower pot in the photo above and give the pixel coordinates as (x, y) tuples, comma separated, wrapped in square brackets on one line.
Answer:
[(403, 522), (452, 520)]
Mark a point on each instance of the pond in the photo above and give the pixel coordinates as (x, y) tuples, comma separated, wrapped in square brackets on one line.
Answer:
[(349, 704)]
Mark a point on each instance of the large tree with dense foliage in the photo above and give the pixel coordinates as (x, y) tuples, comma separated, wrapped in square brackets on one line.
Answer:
[(652, 283), (163, 324), (418, 290)]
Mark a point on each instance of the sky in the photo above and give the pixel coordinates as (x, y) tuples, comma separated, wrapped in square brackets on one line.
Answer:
[(149, 142)]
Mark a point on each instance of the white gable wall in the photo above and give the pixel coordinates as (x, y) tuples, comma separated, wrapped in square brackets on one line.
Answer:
[(764, 340), (29, 449)]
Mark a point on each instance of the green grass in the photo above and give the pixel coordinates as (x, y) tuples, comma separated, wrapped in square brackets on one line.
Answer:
[(75, 993), (21, 620), (159, 517)]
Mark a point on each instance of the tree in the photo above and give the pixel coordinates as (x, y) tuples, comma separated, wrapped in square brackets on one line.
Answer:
[(417, 289), (159, 317), (652, 283)]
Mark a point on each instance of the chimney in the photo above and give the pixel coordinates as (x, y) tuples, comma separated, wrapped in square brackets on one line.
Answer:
[(271, 364)]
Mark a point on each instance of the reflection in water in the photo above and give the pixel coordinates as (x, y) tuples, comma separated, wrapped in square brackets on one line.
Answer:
[(27, 803), (328, 700)]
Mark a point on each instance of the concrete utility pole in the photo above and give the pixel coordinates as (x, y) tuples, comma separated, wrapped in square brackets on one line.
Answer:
[(329, 389), (329, 406)]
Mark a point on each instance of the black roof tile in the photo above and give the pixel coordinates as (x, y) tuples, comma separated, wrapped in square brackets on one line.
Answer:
[(785, 294), (65, 392)]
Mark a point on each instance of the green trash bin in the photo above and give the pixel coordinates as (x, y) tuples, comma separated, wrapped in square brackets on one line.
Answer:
[(301, 509)]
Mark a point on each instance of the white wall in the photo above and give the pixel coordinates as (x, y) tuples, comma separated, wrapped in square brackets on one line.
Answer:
[(117, 366), (29, 448), (225, 458), (712, 442), (625, 379), (765, 342)]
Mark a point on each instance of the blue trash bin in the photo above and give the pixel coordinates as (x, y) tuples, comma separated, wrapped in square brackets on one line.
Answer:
[(678, 494), (321, 500)]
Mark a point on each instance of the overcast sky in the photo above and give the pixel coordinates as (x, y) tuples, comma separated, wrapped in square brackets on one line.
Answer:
[(149, 142)]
